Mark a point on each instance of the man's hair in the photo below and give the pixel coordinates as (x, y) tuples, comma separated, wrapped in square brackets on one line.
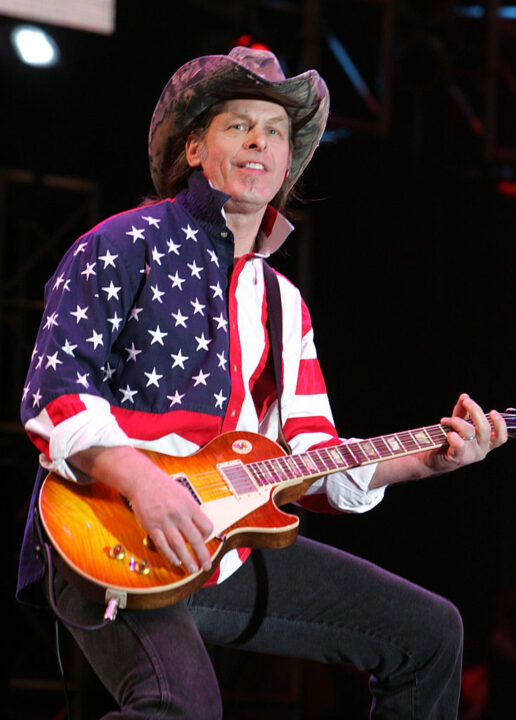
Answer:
[(179, 171)]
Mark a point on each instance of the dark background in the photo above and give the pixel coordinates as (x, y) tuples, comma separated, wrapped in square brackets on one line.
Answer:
[(404, 250)]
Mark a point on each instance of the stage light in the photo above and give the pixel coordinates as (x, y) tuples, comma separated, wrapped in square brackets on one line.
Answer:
[(248, 41), (34, 46)]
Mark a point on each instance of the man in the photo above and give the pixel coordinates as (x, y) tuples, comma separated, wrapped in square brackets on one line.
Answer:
[(154, 336)]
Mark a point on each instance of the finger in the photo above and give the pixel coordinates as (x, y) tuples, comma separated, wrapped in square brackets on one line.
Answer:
[(499, 434), (463, 429), (192, 535), (178, 545), (163, 547), (455, 442), (478, 417), (203, 523), (459, 410)]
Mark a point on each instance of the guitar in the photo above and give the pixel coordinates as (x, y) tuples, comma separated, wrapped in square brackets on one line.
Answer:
[(239, 479)]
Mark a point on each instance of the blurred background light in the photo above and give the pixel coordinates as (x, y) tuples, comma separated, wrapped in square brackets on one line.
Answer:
[(93, 16), (34, 46)]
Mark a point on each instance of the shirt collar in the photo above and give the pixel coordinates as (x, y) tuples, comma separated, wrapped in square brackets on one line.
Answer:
[(206, 203)]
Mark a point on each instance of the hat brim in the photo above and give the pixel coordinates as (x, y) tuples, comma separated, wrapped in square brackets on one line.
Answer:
[(201, 83)]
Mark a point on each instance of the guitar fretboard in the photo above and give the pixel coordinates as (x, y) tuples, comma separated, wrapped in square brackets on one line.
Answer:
[(324, 461)]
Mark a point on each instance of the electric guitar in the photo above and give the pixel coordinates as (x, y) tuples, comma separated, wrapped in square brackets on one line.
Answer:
[(239, 479)]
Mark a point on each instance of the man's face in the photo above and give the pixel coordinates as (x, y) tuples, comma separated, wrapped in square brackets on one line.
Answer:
[(245, 152)]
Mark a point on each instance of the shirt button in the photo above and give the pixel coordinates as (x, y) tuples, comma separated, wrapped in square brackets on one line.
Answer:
[(233, 413), (224, 233), (235, 367)]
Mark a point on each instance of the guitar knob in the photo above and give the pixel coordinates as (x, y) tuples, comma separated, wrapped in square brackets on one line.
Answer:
[(117, 552), (148, 542), (142, 567)]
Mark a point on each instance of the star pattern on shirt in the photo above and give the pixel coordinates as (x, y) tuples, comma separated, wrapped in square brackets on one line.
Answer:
[(53, 361), (153, 377), (177, 281), (176, 398), (179, 359), (90, 270), (190, 233), (96, 339), (173, 247), (136, 234), (50, 321), (156, 255), (157, 335), (128, 394), (108, 259), (138, 311), (80, 313), (68, 348), (112, 291), (132, 352)]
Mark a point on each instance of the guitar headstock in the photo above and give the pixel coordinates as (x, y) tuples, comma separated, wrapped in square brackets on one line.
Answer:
[(510, 419)]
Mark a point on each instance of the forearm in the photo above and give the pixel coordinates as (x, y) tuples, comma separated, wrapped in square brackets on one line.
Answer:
[(123, 468), (410, 467)]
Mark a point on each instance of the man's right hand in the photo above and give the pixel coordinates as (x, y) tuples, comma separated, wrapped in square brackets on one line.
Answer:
[(164, 508)]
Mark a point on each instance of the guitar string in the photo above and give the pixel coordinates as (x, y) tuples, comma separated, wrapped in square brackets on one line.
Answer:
[(210, 481)]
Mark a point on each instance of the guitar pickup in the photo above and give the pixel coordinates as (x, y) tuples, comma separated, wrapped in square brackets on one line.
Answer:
[(237, 478), (185, 482)]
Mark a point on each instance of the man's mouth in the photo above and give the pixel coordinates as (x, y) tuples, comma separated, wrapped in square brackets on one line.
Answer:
[(253, 165)]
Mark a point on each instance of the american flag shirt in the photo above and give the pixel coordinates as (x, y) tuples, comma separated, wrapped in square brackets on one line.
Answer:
[(150, 337)]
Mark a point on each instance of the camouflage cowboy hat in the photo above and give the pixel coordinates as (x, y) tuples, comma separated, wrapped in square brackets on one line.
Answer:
[(244, 72)]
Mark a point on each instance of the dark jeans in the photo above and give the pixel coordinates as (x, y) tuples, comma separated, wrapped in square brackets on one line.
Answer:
[(309, 601)]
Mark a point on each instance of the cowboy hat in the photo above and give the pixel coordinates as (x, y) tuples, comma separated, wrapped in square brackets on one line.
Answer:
[(245, 72)]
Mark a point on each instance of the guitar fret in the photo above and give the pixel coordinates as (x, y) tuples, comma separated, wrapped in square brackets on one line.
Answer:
[(303, 467), (357, 451), (257, 472), (382, 448), (408, 441), (318, 461), (294, 470), (268, 472), (337, 458), (327, 461), (369, 449), (395, 444), (438, 434), (280, 472), (311, 464), (348, 456), (422, 437)]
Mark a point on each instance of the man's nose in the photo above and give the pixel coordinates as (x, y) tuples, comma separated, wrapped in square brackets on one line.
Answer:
[(256, 140)]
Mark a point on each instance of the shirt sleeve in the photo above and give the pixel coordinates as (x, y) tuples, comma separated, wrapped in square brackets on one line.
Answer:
[(310, 426), (66, 398)]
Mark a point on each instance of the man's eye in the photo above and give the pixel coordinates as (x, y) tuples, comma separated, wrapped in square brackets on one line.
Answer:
[(238, 126)]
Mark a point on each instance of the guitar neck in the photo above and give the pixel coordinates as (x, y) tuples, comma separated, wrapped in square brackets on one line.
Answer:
[(315, 464)]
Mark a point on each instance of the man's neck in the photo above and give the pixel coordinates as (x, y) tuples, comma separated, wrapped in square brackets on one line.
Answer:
[(245, 227)]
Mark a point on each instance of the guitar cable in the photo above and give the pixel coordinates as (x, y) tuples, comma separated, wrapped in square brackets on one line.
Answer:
[(59, 618), (44, 551)]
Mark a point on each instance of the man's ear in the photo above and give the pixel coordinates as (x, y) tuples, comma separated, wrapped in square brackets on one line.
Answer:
[(193, 150)]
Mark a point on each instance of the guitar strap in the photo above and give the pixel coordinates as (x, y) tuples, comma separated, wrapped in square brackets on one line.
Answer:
[(275, 330)]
